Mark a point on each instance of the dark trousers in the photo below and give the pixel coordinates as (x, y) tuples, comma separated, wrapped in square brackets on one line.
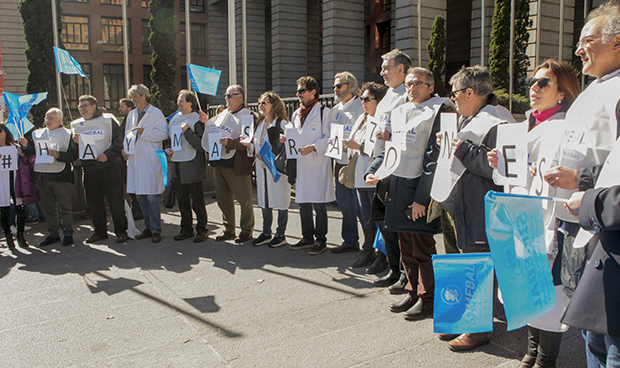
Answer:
[(543, 345), (102, 185), (184, 193), (22, 216), (268, 220), (308, 229), (392, 249), (416, 250)]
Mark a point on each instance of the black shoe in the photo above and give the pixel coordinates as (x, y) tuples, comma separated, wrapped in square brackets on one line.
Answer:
[(200, 237), (21, 240), (156, 238), (183, 235), (49, 241), (387, 280), (145, 234), (9, 241), (262, 239), (121, 238), (366, 258), (303, 243), (95, 238), (67, 240), (419, 311), (380, 264), (399, 286), (318, 248), (404, 305), (277, 241), (32, 222)]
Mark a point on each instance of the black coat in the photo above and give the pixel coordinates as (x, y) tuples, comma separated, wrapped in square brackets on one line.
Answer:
[(195, 170), (595, 305)]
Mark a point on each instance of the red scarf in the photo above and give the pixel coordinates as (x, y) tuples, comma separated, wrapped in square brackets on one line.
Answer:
[(305, 110), (542, 116)]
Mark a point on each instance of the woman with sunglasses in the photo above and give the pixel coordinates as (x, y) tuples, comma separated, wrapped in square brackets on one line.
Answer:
[(553, 89), (372, 93)]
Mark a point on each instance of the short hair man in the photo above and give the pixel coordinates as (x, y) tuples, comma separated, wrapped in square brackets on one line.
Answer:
[(314, 184), (148, 125), (56, 177), (345, 113), (102, 175), (233, 171)]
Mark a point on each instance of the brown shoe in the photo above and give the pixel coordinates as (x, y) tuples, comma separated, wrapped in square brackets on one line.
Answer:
[(121, 238), (464, 342), (225, 235), (448, 337), (156, 238), (243, 237), (345, 247), (95, 238)]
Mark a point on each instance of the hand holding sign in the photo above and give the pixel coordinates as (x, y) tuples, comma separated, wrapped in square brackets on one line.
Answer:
[(512, 154), (335, 148), (42, 151)]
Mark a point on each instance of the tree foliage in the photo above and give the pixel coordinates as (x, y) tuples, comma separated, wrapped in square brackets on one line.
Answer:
[(164, 58), (499, 47), (38, 28), (436, 49)]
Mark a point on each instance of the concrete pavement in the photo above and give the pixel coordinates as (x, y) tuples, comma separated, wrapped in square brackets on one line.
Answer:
[(216, 304)]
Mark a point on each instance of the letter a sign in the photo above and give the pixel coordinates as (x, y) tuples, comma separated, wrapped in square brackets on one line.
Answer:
[(88, 150), (215, 147)]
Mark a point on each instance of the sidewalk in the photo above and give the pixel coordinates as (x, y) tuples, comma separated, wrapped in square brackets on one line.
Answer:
[(216, 304)]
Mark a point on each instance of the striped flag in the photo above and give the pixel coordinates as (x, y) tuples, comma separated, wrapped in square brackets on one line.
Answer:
[(66, 64), (18, 107)]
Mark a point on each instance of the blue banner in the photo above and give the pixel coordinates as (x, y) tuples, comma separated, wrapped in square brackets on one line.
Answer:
[(379, 243), (204, 80), (463, 293), (66, 64), (163, 160), (515, 229), (267, 156), (18, 107)]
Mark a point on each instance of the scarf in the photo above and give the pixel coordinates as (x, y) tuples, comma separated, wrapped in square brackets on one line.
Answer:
[(305, 110)]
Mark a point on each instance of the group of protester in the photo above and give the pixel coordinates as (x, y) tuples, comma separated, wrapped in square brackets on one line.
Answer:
[(403, 114)]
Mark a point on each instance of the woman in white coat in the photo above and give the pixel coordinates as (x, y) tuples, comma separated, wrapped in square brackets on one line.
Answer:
[(271, 194)]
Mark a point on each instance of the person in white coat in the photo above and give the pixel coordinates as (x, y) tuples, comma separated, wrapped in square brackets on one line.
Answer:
[(314, 186), (147, 124), (271, 194)]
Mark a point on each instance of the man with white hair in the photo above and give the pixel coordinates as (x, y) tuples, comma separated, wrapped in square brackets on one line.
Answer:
[(55, 177)]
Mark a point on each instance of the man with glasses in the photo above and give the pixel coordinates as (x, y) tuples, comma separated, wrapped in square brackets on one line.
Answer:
[(314, 184), (102, 174), (233, 171), (345, 113)]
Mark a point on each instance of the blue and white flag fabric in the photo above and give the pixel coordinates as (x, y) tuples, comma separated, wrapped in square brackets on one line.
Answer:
[(172, 115), (516, 232), (267, 156), (18, 107), (463, 293), (66, 64), (163, 160), (379, 243), (204, 80)]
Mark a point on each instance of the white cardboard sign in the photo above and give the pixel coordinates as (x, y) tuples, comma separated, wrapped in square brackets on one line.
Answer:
[(176, 138), (129, 143), (88, 150), (247, 128), (292, 143), (512, 154), (215, 147), (8, 158), (370, 136), (391, 160), (42, 149), (335, 149)]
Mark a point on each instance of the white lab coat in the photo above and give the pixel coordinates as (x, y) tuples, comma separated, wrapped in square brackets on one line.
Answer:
[(279, 193), (144, 173), (315, 181)]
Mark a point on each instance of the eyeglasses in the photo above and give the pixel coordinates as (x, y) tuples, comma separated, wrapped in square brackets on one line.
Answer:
[(261, 103), (542, 82), (453, 93), (337, 86), (301, 91), (367, 99), (83, 106), (416, 84), (587, 40), (228, 95)]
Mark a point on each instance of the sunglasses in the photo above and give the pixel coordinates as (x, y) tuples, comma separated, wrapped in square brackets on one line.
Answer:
[(228, 95), (337, 86), (301, 91), (542, 82), (453, 93), (367, 99)]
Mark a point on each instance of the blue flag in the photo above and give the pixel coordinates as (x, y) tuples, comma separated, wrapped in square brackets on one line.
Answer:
[(172, 115), (463, 293), (163, 160), (18, 107), (515, 229), (204, 80), (267, 156), (66, 64), (379, 243)]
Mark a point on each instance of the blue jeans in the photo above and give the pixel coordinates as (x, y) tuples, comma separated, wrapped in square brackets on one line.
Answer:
[(602, 351), (150, 209), (35, 211), (268, 220), (350, 208), (308, 229)]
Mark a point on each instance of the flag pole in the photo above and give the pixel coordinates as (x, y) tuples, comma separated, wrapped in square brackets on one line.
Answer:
[(55, 33)]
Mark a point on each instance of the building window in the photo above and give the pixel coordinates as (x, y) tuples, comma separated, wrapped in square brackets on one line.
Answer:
[(75, 1), (112, 34), (146, 75), (114, 84), (144, 4), (195, 6), (75, 33), (146, 31), (197, 39), (78, 86), (115, 2)]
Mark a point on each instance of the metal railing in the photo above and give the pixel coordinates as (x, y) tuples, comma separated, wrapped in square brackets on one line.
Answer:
[(290, 104)]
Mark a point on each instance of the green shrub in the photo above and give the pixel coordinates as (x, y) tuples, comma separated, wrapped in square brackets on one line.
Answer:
[(520, 104)]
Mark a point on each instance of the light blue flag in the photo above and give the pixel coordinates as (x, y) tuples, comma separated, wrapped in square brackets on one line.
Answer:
[(463, 293), (163, 160), (172, 115), (18, 108), (267, 156), (515, 229), (204, 80), (379, 243), (66, 64)]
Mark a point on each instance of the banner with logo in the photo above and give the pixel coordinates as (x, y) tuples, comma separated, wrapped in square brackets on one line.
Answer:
[(463, 293), (163, 160), (267, 156)]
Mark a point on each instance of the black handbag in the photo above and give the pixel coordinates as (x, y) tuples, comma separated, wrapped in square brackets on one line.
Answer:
[(169, 197)]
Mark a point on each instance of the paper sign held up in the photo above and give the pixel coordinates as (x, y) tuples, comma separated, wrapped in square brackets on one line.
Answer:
[(42, 151), (176, 138), (336, 147), (391, 160), (215, 147), (129, 143), (370, 135), (8, 158), (247, 128), (292, 143), (512, 153), (88, 150)]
